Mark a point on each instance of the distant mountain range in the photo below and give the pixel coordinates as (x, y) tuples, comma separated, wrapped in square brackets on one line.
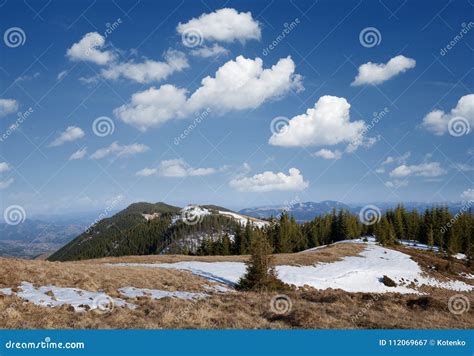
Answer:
[(153, 228), (308, 210), (300, 211)]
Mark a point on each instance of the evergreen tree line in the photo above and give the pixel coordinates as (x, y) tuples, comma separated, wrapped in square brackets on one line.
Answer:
[(436, 227), (127, 234)]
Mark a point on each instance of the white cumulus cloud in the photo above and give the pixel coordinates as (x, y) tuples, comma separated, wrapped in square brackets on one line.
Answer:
[(328, 123), (147, 172), (223, 25), (400, 159), (270, 181), (437, 121), (175, 168), (153, 107), (179, 168), (149, 70), (119, 150), (7, 106), (239, 84), (376, 73), (207, 52), (72, 133), (90, 48), (328, 154), (79, 154), (429, 169)]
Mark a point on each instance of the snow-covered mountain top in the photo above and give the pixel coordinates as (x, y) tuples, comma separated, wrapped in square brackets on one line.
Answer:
[(195, 213)]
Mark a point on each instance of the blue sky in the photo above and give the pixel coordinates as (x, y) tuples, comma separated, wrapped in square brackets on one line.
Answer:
[(145, 75)]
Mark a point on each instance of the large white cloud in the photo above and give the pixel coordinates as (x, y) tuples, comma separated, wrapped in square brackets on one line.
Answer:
[(152, 107), (7, 106), (239, 84), (90, 48), (438, 121), (269, 181), (429, 169), (376, 73), (243, 83), (328, 123), (149, 70), (72, 133), (224, 25), (118, 150)]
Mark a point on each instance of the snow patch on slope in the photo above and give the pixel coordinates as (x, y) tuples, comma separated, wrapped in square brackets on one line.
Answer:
[(6, 291), (222, 272), (362, 273), (243, 220), (149, 217), (196, 213), (80, 300)]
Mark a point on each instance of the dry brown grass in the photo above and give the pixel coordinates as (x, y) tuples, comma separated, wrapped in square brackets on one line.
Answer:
[(310, 308), (436, 265), (331, 253)]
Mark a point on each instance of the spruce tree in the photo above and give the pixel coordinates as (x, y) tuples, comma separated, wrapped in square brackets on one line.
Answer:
[(261, 273)]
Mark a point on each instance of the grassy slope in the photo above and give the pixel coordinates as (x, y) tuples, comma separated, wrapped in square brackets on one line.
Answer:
[(311, 308)]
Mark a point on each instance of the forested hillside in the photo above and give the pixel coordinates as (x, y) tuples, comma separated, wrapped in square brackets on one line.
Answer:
[(144, 228)]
